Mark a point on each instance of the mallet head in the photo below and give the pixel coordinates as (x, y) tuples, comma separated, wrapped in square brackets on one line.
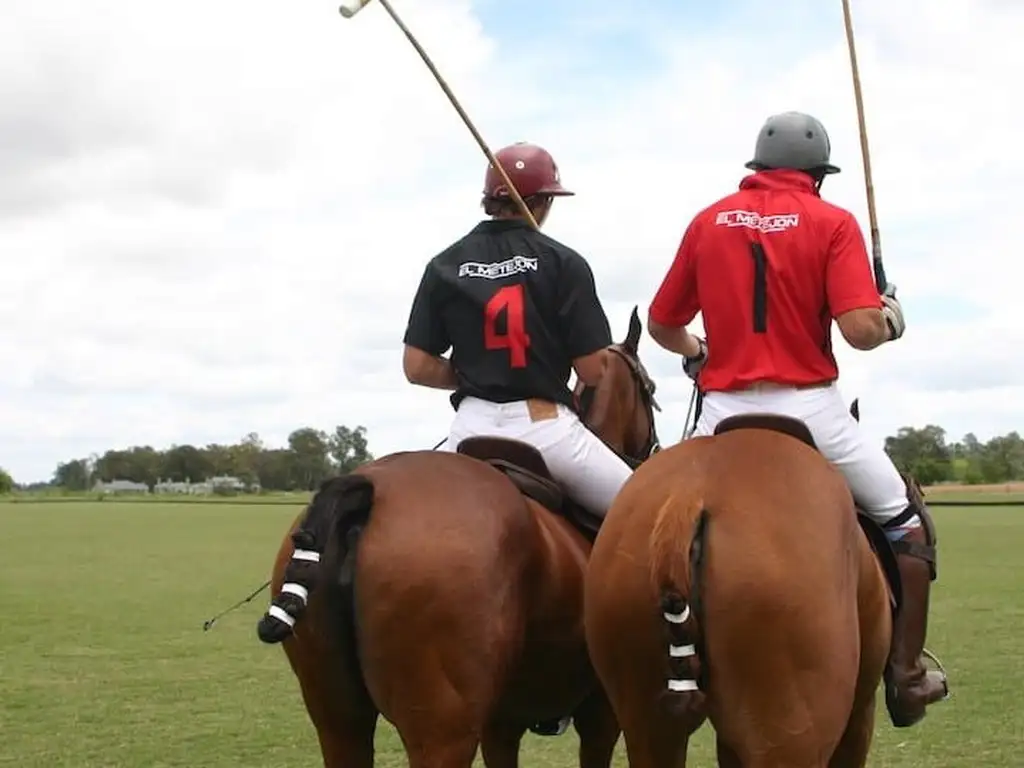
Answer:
[(350, 8)]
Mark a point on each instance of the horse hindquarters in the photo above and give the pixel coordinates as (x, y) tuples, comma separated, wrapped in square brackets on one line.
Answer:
[(437, 592), (780, 624)]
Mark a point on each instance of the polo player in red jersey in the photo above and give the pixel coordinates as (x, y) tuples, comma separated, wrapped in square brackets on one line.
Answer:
[(769, 267)]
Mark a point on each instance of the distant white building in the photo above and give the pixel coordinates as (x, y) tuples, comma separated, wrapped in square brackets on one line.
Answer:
[(120, 486), (205, 488), (166, 486)]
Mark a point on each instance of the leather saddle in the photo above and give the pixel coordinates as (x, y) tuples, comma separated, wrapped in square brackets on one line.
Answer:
[(797, 429), (526, 468)]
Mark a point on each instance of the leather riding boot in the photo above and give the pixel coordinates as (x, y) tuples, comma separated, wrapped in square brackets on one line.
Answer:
[(909, 686)]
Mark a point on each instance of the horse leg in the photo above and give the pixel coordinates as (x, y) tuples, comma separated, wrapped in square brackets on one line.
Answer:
[(439, 743), (598, 729), (500, 745), (875, 632), (853, 749), (438, 698), (726, 757), (347, 743), (338, 706), (345, 724), (654, 740), (437, 687)]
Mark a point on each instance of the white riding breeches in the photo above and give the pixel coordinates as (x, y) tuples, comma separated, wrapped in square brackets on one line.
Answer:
[(873, 479), (589, 471)]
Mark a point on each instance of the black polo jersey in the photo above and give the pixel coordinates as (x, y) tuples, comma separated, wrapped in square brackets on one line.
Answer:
[(515, 307)]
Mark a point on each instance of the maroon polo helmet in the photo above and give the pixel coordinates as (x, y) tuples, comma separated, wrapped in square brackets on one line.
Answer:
[(529, 167)]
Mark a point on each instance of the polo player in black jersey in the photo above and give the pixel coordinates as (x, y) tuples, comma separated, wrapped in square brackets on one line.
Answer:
[(518, 310)]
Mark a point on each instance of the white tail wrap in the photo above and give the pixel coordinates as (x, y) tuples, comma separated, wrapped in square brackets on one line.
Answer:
[(281, 615), (681, 651), (678, 618), (296, 589), (679, 686), (350, 8), (306, 554)]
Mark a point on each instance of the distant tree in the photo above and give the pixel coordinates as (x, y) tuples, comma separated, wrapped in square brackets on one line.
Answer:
[(74, 475), (186, 463), (310, 456), (275, 469), (221, 459), (139, 464), (1003, 459), (922, 453), (925, 454), (6, 482), (113, 465), (348, 448), (245, 458)]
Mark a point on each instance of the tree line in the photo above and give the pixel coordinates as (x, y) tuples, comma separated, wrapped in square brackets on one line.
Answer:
[(927, 455), (311, 455)]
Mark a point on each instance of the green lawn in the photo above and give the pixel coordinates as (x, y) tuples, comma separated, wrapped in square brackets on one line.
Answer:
[(103, 661)]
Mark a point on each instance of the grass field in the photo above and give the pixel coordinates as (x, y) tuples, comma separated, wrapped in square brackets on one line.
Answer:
[(103, 661)]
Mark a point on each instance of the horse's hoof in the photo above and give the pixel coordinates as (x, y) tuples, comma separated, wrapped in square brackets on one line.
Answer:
[(272, 630)]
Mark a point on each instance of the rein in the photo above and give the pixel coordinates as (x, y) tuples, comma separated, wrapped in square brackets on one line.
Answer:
[(696, 397)]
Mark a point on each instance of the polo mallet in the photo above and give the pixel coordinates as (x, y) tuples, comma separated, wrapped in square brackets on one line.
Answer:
[(876, 245), (351, 7), (876, 239)]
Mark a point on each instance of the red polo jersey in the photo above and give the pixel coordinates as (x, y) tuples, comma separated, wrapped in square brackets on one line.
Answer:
[(769, 267)]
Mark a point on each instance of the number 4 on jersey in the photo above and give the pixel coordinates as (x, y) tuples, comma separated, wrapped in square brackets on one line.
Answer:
[(510, 298)]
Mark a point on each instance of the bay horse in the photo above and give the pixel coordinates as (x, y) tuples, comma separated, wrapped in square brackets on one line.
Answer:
[(735, 581), (444, 591)]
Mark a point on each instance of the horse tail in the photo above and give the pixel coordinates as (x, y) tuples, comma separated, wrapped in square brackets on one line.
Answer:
[(679, 582), (336, 514)]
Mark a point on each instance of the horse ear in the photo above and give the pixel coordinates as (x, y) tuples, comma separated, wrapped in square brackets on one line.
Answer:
[(855, 409), (633, 337)]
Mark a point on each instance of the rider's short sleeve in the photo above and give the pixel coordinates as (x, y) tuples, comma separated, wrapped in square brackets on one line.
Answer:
[(676, 302), (583, 320), (426, 330), (848, 280)]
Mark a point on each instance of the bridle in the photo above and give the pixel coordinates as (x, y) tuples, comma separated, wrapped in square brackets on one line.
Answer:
[(646, 386)]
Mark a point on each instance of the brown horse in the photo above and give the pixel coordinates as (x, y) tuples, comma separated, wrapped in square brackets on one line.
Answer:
[(444, 591), (735, 581)]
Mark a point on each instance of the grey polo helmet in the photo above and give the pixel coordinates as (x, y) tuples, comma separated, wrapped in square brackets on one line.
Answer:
[(792, 140)]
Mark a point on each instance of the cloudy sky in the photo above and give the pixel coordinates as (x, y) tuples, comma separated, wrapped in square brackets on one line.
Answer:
[(213, 215)]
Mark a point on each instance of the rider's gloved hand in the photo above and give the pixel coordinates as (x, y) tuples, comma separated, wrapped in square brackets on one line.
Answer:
[(692, 365), (892, 311)]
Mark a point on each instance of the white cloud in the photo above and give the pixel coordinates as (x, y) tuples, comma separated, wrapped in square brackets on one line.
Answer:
[(213, 216)]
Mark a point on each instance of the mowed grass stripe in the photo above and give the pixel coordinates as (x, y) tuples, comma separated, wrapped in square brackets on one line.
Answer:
[(103, 661)]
